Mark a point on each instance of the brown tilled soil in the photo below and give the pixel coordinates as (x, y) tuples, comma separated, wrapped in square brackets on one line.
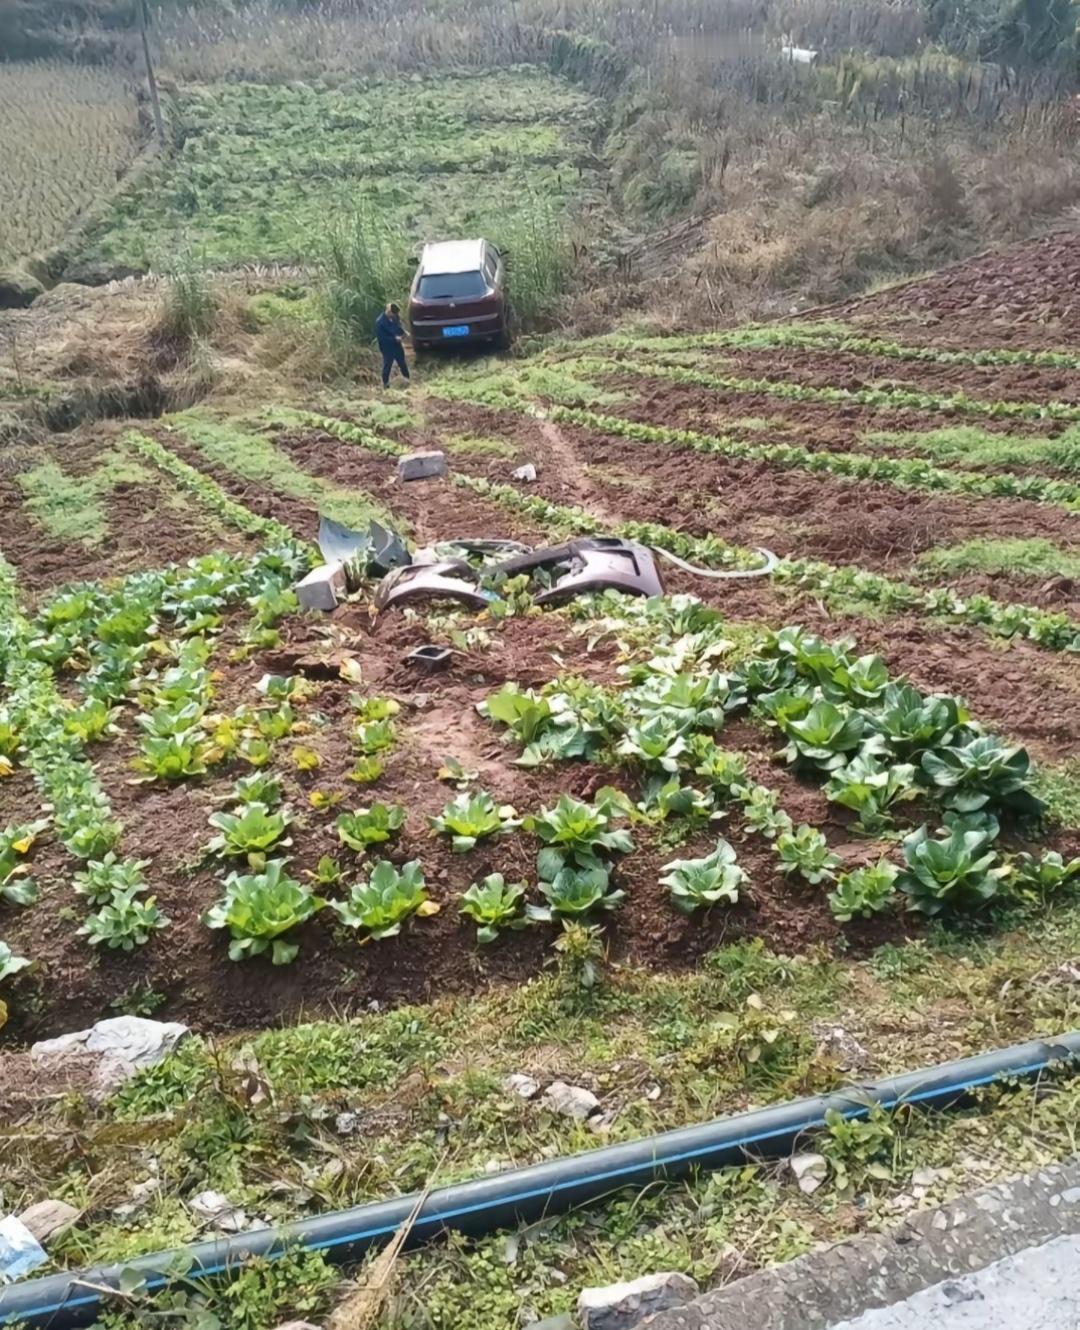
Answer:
[(1027, 295), (149, 525), (796, 513), (1016, 689), (856, 372), (1020, 689), (837, 427)]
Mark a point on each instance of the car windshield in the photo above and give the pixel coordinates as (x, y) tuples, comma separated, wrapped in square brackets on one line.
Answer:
[(451, 285)]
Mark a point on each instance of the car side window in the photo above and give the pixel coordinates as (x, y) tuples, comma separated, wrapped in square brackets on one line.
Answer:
[(491, 264)]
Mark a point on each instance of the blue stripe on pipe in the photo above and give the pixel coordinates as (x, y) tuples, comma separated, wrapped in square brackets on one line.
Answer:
[(856, 1110)]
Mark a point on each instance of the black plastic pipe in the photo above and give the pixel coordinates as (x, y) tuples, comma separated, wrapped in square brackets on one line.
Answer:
[(522, 1195)]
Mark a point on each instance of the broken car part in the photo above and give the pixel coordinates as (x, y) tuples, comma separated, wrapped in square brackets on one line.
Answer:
[(430, 657), (452, 579), (380, 548)]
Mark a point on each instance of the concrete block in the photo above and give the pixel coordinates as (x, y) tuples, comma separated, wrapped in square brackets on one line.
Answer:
[(322, 588), (419, 466)]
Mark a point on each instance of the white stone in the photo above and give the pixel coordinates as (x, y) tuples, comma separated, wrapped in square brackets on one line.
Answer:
[(47, 1218), (121, 1046), (322, 588), (216, 1208), (523, 1086), (622, 1306), (419, 466), (526, 473), (810, 1171), (570, 1101), (346, 1123)]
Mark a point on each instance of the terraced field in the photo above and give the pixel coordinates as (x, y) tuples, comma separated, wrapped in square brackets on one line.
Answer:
[(725, 823), (426, 157)]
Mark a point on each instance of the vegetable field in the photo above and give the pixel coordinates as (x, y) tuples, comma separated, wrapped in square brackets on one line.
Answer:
[(69, 133), (265, 169), (661, 846)]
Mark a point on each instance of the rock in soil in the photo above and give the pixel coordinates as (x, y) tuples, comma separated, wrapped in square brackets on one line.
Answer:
[(526, 473), (523, 1086), (47, 1218), (622, 1306), (419, 466), (216, 1208), (120, 1046), (810, 1171), (571, 1101)]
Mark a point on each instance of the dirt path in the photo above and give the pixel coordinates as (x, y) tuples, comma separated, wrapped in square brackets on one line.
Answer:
[(566, 462)]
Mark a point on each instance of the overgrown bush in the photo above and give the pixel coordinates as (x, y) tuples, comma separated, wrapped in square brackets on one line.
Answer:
[(366, 266)]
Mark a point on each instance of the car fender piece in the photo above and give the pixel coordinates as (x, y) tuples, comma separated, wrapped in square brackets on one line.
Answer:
[(603, 565), (450, 580)]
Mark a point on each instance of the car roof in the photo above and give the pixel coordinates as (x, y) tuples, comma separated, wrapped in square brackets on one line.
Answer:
[(446, 256)]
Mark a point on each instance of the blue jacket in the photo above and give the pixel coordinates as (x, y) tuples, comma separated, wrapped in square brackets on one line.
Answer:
[(388, 330)]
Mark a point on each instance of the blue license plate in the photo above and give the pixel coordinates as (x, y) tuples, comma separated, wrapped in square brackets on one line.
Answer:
[(462, 330)]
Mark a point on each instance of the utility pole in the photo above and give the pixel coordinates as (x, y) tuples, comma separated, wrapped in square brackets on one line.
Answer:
[(159, 124)]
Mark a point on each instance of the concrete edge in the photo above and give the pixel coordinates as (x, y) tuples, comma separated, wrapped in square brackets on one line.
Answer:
[(881, 1269)]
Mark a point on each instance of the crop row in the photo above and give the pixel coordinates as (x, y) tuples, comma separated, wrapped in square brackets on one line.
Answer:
[(209, 492), (903, 473), (877, 742), (890, 399), (837, 338), (116, 640), (854, 588)]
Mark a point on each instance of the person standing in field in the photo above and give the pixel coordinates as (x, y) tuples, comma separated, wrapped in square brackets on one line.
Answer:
[(391, 337)]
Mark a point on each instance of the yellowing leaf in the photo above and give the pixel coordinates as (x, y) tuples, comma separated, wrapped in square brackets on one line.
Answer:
[(6, 768), (428, 907), (21, 846), (306, 759), (351, 671)]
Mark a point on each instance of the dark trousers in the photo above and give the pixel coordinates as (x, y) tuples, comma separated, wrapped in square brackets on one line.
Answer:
[(392, 355)]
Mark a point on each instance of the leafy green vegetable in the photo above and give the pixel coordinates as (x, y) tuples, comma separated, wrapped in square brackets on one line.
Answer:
[(1044, 876), (92, 721), (824, 737), (870, 789), (124, 922), (469, 819), (574, 892), (953, 872), (261, 787), (259, 908), (762, 811), (178, 758), (493, 904), (805, 851), (697, 884), (574, 832), (722, 768), (367, 770), (370, 826), (985, 772), (10, 964), (863, 891), (655, 743), (382, 904), (251, 832), (102, 878), (374, 736)]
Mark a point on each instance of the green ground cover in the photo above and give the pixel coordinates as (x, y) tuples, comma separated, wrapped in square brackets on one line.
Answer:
[(264, 169)]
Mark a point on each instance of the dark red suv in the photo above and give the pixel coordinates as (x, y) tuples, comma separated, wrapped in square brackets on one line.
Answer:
[(459, 295)]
